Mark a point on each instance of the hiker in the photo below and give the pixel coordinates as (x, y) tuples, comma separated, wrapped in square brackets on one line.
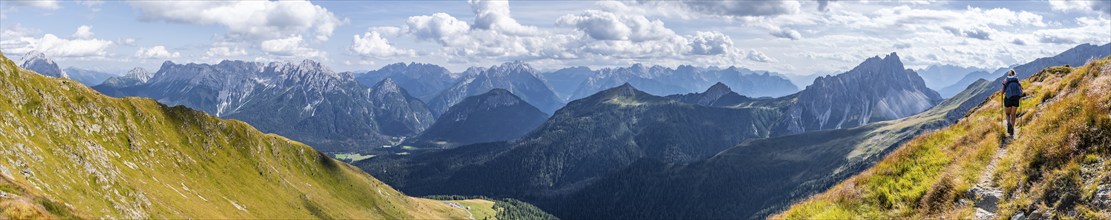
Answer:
[(1012, 94)]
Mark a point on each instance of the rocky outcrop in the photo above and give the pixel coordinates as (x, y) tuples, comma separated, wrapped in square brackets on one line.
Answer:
[(876, 90)]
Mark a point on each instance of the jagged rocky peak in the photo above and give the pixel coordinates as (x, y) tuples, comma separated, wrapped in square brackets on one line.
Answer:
[(718, 88), (140, 74), (513, 66), (38, 61), (387, 85)]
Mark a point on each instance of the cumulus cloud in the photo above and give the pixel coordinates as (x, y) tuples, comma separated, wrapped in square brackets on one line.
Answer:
[(758, 56), (19, 40), (43, 4), (786, 33), (292, 46), (372, 44), (256, 19), (439, 27), (83, 32), (604, 25), (710, 43), (494, 15), (156, 52)]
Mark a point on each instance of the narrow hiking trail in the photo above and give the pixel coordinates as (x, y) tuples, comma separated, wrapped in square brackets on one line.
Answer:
[(986, 193)]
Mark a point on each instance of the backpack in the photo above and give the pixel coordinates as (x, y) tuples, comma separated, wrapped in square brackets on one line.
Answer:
[(1012, 88)]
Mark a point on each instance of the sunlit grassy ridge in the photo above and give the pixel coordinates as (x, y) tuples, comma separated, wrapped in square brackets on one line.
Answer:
[(67, 151), (1056, 163)]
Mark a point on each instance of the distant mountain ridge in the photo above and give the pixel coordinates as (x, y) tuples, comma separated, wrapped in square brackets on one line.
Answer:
[(496, 115), (88, 77), (941, 76), (304, 101), (134, 77), (423, 81), (517, 77), (38, 62), (659, 80)]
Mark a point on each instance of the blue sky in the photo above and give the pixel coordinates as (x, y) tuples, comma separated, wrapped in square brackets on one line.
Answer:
[(790, 37)]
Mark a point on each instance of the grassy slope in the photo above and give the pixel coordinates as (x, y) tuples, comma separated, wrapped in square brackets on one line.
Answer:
[(1063, 136), (68, 151)]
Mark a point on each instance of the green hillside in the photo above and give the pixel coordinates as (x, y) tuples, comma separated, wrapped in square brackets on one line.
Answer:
[(67, 151), (1058, 166)]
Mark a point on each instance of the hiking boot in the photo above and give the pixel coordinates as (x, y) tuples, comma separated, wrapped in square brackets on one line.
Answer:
[(1010, 129)]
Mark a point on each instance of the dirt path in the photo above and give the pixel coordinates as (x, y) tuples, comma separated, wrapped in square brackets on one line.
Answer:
[(986, 194)]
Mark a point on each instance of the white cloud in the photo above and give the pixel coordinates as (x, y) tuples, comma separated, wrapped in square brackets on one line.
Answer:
[(43, 4), (786, 33), (156, 52), (604, 25), (255, 19), (372, 44), (83, 32), (20, 40), (224, 52), (494, 15), (439, 27), (758, 56), (710, 43), (292, 46)]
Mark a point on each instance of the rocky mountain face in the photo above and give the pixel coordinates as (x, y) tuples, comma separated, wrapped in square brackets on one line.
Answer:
[(658, 80), (67, 152), (497, 115), (38, 62), (397, 113), (941, 76), (423, 81), (304, 101), (517, 77), (878, 89), (134, 77), (87, 77)]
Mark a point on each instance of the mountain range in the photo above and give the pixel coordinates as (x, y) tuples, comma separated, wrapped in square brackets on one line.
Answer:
[(71, 153), (517, 77), (304, 101), (596, 153), (578, 82), (423, 81)]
